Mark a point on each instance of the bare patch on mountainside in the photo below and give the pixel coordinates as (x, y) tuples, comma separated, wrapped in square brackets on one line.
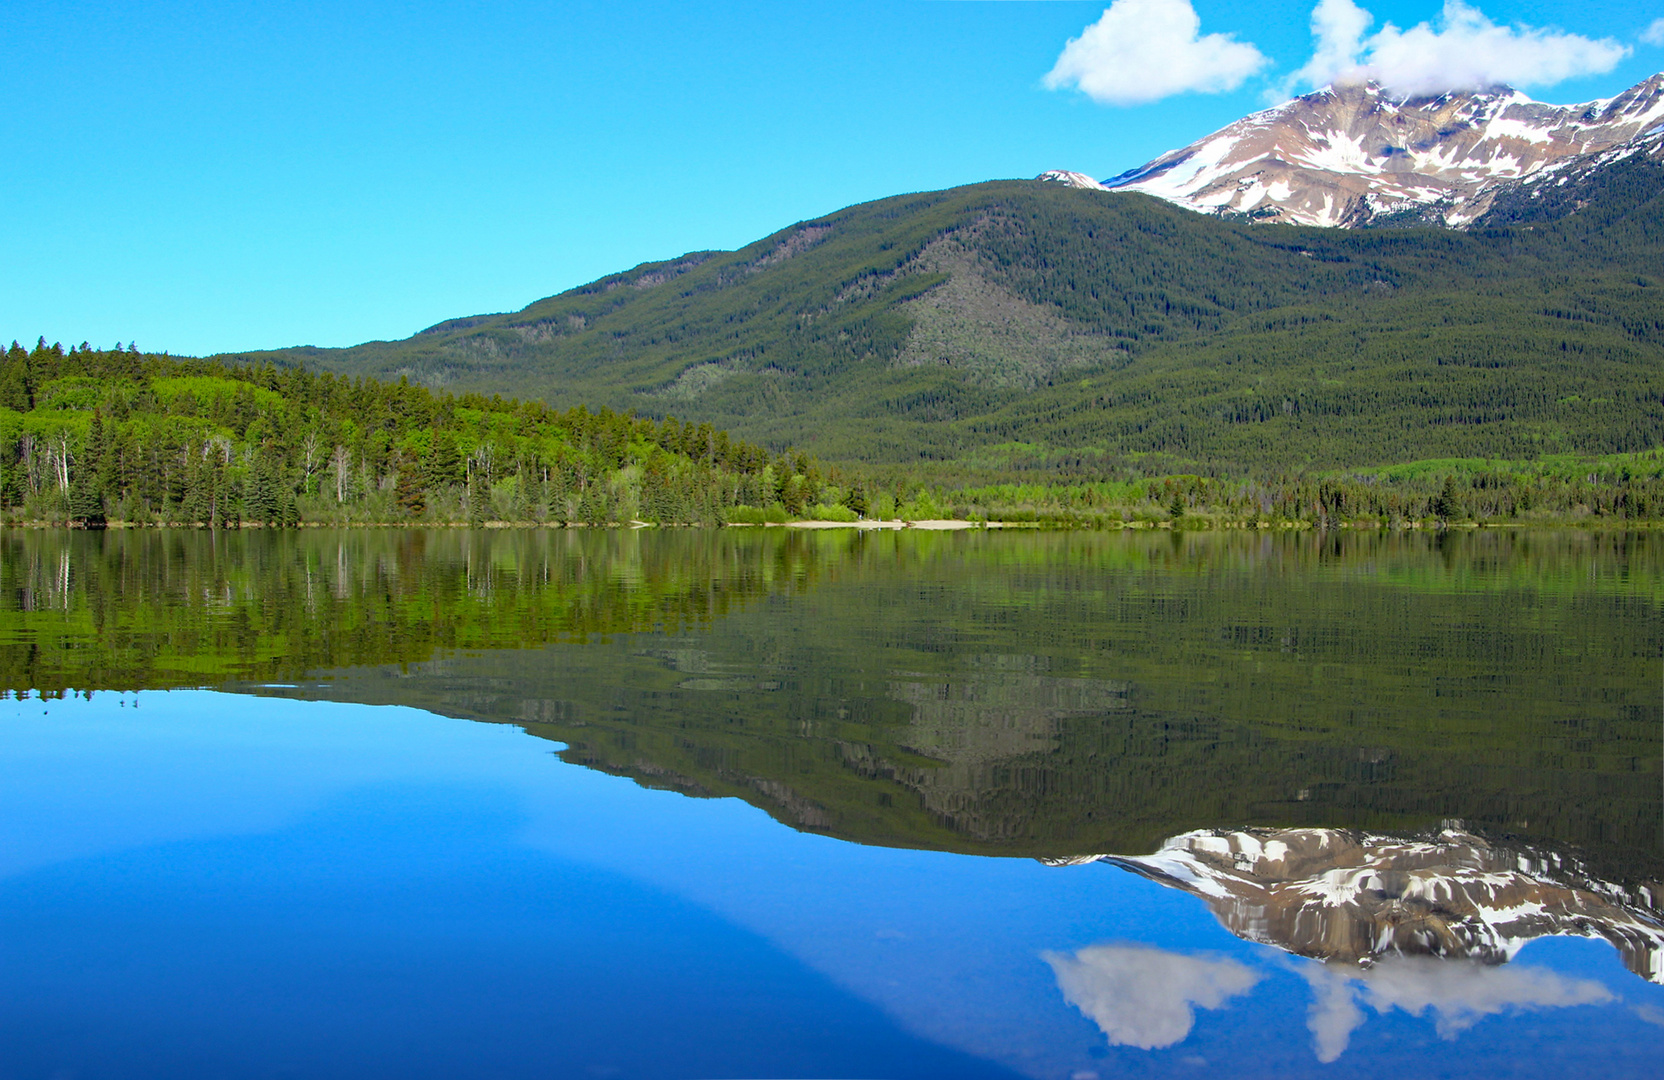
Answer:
[(655, 274), (696, 379), (988, 333), (475, 348), (542, 330), (799, 241)]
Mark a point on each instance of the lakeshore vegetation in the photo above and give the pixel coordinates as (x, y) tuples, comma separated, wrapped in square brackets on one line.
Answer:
[(91, 436)]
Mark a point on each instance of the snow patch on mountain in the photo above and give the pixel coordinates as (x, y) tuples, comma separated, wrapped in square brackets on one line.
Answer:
[(1350, 155), (1071, 179)]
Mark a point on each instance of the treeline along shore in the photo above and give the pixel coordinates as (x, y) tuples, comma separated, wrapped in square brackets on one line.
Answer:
[(93, 437)]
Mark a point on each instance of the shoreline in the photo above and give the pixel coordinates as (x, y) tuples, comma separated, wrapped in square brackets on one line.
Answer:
[(1197, 524)]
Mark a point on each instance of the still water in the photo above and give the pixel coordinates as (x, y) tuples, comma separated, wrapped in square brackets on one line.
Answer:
[(746, 804)]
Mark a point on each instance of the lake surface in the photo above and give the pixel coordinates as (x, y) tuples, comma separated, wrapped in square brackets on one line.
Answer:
[(758, 803)]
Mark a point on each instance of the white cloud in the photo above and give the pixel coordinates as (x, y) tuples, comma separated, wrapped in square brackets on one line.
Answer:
[(1337, 37), (1654, 34), (1146, 997), (1145, 50), (1461, 50), (1458, 994)]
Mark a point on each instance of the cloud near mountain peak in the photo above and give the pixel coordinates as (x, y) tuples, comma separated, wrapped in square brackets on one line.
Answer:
[(1145, 50), (1140, 51), (1461, 50)]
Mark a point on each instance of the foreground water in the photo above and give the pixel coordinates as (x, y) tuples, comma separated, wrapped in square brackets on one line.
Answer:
[(1048, 806)]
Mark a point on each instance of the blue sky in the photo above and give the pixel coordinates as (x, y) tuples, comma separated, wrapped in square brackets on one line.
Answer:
[(217, 176)]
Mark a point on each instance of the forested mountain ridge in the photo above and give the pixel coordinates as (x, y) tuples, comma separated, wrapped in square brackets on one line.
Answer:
[(1025, 325), (92, 435)]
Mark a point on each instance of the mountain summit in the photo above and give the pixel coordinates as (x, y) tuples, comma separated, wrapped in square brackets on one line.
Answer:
[(1356, 155)]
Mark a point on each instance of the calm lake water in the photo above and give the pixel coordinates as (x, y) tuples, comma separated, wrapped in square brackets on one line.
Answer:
[(768, 804)]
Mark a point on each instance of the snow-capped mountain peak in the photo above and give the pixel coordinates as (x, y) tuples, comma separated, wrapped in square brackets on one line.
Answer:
[(1350, 155)]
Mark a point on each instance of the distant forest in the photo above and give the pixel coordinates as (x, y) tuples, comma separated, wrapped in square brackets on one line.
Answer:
[(89, 436)]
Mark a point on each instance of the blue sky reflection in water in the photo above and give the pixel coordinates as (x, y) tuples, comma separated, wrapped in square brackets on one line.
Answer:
[(207, 884)]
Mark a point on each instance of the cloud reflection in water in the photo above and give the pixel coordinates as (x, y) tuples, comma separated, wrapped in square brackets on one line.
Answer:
[(1459, 993), (1146, 997), (1143, 996)]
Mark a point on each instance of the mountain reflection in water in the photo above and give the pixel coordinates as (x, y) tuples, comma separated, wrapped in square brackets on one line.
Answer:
[(1353, 898), (1381, 912), (1289, 725), (1042, 695)]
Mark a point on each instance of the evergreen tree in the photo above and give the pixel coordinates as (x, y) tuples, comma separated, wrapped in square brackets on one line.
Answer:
[(794, 495), (592, 506), (86, 497), (14, 387), (410, 493), (563, 482), (228, 499), (86, 503), (288, 509), (443, 465), (263, 499), (1447, 505)]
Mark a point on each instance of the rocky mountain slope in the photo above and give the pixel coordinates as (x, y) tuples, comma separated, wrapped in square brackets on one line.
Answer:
[(1356, 155)]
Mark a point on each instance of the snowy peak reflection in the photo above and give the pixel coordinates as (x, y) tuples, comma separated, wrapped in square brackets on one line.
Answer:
[(1353, 897)]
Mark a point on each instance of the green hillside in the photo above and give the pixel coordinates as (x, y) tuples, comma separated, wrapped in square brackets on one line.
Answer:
[(1020, 325)]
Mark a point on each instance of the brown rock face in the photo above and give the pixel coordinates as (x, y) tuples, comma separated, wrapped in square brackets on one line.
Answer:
[(1350, 155), (1351, 897)]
